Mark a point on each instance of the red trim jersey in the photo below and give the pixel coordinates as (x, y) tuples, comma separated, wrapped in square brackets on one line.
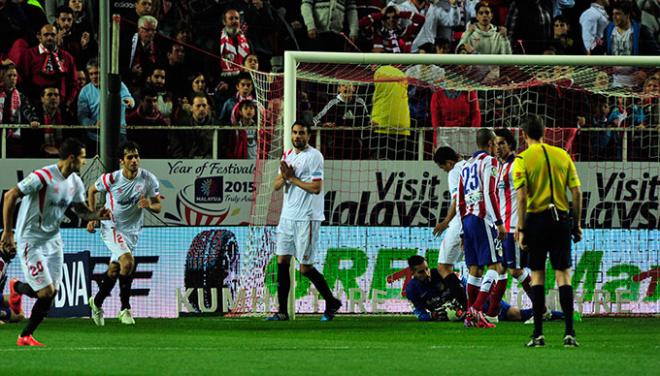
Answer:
[(507, 195), (47, 196), (300, 205), (477, 189)]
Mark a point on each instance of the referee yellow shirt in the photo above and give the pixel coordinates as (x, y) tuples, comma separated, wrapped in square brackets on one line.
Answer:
[(530, 170)]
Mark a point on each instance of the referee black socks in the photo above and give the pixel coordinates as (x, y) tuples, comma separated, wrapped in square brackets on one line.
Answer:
[(283, 287), (566, 301), (538, 305)]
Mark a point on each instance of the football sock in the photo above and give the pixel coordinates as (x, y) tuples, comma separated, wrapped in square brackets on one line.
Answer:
[(105, 287), (321, 285), (457, 289), (525, 281), (473, 286), (125, 282), (283, 287), (566, 301), (496, 294), (39, 312), (25, 289), (538, 305), (489, 279)]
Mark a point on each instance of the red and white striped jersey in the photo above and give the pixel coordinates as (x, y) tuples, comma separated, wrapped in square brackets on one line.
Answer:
[(507, 195), (47, 195), (477, 188)]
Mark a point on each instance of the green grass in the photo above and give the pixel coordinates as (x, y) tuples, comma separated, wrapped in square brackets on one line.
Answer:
[(362, 345)]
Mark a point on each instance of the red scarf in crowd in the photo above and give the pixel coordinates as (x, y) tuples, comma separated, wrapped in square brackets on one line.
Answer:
[(52, 63), (14, 105), (230, 53)]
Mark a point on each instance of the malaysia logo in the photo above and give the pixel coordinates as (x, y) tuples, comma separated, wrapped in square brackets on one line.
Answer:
[(209, 189), (191, 213)]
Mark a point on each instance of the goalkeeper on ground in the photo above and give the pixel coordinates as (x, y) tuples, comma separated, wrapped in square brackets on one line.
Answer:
[(432, 300)]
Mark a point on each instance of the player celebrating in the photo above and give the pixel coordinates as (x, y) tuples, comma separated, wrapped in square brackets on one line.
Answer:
[(46, 193), (128, 191), (450, 248), (301, 175), (479, 208)]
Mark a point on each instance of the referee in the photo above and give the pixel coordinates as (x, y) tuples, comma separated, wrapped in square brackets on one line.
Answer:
[(541, 175)]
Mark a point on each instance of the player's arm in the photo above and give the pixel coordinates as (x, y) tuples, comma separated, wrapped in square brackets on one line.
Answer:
[(316, 184), (279, 182), (281, 178), (313, 186), (442, 226), (152, 204), (91, 204), (576, 195), (10, 199), (86, 214)]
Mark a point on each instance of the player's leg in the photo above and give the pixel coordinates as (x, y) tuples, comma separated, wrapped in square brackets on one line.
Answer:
[(496, 294), (285, 249), (126, 268), (107, 283), (307, 235), (486, 256), (471, 260), (42, 267), (450, 253), (560, 258)]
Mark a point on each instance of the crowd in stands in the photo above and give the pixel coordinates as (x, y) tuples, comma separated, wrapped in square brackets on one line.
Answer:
[(188, 63)]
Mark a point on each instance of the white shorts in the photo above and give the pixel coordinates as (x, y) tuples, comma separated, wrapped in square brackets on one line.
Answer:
[(41, 262), (450, 248), (298, 239), (118, 243)]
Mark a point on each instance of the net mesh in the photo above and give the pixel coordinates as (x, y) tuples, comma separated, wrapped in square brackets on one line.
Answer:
[(377, 127)]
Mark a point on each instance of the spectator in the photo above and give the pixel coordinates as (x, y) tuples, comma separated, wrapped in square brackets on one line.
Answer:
[(345, 110), (593, 22), (564, 44), (651, 16), (450, 108), (484, 37), (244, 90), (147, 113), (82, 78), (603, 145), (89, 106), (77, 42), (390, 115), (234, 45), (193, 143), (324, 20), (624, 36), (13, 24), (264, 30), (197, 87), (44, 142), (156, 79), (138, 60), (46, 65), (15, 108), (251, 63), (529, 25), (176, 71), (435, 17), (389, 34), (84, 12), (243, 143)]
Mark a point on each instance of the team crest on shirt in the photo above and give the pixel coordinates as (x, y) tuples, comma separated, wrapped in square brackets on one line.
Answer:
[(493, 171), (139, 188)]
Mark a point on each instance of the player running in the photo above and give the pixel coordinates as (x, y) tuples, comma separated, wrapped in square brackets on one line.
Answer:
[(129, 191), (479, 208), (46, 194)]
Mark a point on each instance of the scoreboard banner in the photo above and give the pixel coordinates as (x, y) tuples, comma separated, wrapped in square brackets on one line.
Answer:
[(220, 193)]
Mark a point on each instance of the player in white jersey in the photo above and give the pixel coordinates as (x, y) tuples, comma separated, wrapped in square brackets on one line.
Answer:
[(129, 192), (479, 207), (451, 248), (46, 194), (301, 176)]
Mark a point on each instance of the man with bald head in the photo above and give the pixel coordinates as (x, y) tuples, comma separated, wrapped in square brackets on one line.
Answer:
[(46, 65)]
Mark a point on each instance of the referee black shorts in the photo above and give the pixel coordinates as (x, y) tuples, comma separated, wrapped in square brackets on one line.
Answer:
[(543, 236)]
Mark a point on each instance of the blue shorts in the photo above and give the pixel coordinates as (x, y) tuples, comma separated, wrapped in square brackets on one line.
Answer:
[(504, 307), (514, 258), (479, 242)]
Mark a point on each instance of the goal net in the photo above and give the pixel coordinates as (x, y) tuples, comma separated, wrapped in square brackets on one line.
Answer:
[(377, 120)]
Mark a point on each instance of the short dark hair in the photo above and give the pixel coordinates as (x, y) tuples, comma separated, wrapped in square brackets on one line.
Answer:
[(507, 135), (63, 9), (415, 260), (429, 48), (442, 42), (482, 4), (70, 146), (308, 128), (127, 145), (533, 126), (444, 154), (246, 103), (148, 91), (560, 18), (155, 67), (43, 90), (484, 135), (243, 76), (624, 6)]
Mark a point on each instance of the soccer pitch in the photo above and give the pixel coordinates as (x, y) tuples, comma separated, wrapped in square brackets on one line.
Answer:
[(351, 345)]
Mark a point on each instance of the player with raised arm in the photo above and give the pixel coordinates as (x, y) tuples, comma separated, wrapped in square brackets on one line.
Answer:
[(46, 194), (478, 205), (129, 192), (301, 176), (451, 248)]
